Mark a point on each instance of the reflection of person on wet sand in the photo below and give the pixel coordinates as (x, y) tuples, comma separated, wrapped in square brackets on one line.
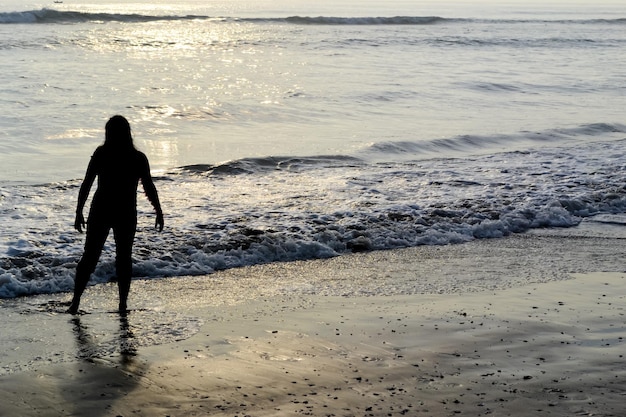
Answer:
[(101, 381), (119, 168), (127, 342), (89, 350)]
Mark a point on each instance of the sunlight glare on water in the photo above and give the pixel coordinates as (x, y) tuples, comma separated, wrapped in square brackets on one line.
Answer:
[(290, 129), (239, 80)]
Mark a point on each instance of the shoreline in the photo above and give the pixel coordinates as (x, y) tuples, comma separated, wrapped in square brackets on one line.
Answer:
[(431, 331)]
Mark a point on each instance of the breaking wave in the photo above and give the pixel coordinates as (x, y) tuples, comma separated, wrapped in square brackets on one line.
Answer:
[(472, 144), (58, 16), (275, 209), (52, 16)]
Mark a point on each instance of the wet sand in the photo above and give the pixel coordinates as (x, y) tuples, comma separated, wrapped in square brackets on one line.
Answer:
[(263, 341)]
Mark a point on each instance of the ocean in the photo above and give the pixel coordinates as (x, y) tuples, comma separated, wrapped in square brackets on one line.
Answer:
[(293, 130)]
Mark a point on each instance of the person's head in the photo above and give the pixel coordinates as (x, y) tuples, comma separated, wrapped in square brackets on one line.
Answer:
[(117, 133)]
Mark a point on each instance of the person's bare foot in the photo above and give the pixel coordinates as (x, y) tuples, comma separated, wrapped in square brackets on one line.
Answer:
[(73, 309)]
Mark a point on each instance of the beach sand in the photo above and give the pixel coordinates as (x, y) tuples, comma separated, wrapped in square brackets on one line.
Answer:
[(499, 327)]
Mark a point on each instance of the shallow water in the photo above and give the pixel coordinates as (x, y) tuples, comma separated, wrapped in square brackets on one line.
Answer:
[(279, 132)]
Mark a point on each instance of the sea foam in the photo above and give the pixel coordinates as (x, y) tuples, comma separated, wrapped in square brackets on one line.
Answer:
[(264, 210)]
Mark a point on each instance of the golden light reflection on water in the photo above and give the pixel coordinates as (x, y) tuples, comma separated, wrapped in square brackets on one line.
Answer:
[(192, 88), (165, 151), (76, 134), (185, 37)]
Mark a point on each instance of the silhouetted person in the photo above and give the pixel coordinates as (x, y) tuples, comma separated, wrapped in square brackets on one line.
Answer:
[(119, 168)]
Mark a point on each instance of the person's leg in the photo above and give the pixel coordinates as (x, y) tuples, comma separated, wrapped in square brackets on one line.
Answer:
[(124, 233), (94, 242)]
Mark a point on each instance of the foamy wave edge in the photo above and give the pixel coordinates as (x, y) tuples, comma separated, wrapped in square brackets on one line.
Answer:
[(52, 16), (59, 16)]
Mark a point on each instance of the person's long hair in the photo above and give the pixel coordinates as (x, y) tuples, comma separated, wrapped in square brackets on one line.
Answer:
[(117, 135)]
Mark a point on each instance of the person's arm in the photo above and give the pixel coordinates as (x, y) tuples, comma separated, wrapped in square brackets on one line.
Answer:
[(152, 194), (90, 176)]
